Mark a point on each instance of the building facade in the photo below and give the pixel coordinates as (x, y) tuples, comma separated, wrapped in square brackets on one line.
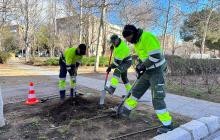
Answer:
[(68, 29)]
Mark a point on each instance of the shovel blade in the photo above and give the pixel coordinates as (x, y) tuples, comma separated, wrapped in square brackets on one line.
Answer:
[(102, 98)]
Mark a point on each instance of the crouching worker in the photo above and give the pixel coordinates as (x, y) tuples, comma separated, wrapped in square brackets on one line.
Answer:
[(151, 65), (69, 62), (122, 62)]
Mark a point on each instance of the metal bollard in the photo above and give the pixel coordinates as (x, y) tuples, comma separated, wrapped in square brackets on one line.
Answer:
[(2, 120)]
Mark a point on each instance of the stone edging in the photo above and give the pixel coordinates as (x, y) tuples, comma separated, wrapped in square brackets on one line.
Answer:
[(195, 130)]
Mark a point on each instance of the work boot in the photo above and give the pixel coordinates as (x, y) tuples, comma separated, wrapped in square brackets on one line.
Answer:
[(165, 129), (62, 95), (73, 93), (124, 112), (110, 89)]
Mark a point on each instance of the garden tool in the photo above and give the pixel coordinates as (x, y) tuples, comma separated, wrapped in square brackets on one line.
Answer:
[(118, 108), (103, 93)]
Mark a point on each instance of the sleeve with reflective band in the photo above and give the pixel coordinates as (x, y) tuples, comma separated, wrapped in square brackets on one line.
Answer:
[(116, 63), (71, 57), (154, 59), (120, 53), (147, 46)]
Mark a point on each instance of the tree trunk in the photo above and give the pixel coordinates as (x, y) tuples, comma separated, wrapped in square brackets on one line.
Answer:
[(27, 54), (205, 33), (26, 40), (89, 37), (38, 51), (166, 25), (80, 26), (99, 36), (104, 32), (51, 51)]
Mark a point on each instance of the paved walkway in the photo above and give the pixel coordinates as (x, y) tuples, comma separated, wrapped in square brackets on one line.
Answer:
[(186, 106), (190, 107)]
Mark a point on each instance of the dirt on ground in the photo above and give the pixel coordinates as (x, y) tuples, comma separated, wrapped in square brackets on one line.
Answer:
[(78, 118), (196, 86)]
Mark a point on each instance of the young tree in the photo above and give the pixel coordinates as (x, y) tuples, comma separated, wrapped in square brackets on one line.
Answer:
[(195, 28)]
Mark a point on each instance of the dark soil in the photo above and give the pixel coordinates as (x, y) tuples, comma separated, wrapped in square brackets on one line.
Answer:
[(72, 120)]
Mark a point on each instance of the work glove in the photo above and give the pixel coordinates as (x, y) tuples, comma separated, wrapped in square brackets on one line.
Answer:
[(109, 69), (77, 64), (71, 69), (140, 69)]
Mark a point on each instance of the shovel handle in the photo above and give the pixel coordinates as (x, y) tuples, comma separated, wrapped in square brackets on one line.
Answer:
[(110, 59)]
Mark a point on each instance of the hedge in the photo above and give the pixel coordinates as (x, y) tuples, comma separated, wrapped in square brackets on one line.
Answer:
[(176, 65), (180, 66), (86, 61), (90, 61), (51, 62), (4, 57)]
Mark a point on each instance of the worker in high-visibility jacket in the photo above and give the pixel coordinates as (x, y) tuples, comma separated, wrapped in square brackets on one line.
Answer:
[(69, 62), (121, 63), (151, 67)]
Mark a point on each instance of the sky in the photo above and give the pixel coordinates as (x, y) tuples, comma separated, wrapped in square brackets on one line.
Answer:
[(113, 16)]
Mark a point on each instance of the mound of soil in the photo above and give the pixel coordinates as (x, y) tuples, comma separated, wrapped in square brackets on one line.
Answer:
[(76, 108)]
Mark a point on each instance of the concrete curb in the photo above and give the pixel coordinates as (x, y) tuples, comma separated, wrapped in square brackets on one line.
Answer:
[(2, 120), (195, 130)]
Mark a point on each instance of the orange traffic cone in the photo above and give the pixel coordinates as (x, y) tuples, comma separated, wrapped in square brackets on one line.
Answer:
[(31, 96)]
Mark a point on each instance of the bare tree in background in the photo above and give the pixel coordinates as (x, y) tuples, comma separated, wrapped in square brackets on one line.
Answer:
[(103, 6), (167, 13), (101, 28), (27, 13), (210, 5), (52, 25), (141, 13), (7, 8), (81, 21), (74, 22), (175, 25)]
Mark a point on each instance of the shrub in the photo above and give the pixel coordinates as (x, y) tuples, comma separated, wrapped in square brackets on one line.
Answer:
[(181, 66), (52, 62), (103, 61), (90, 61), (86, 61), (4, 57)]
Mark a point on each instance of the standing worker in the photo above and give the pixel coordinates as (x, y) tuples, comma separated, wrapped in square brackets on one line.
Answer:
[(122, 61), (69, 62), (151, 65)]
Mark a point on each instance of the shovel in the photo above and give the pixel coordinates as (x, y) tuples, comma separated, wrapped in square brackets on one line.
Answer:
[(103, 93), (118, 108), (123, 100)]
